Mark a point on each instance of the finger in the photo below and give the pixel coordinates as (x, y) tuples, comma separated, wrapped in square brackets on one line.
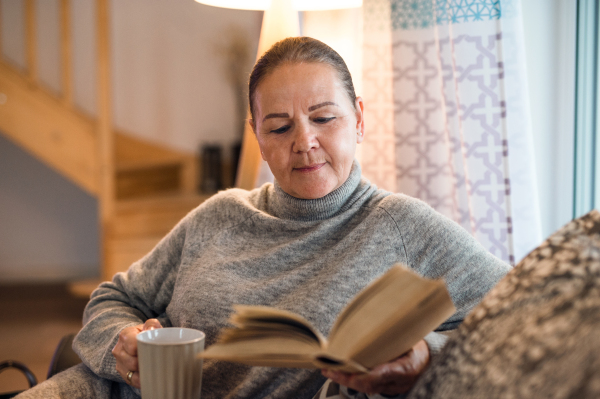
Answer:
[(135, 380), (128, 339), (123, 348), (366, 383), (397, 376), (337, 376), (135, 377), (129, 363), (415, 362), (123, 359), (392, 378), (151, 324)]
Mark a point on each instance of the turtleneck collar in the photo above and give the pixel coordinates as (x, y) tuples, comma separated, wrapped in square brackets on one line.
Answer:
[(286, 206)]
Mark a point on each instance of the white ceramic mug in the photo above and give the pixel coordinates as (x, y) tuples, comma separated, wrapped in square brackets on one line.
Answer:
[(168, 365)]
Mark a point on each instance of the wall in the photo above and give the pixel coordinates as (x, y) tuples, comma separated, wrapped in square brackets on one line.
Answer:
[(549, 27), (168, 86), (168, 79), (48, 226)]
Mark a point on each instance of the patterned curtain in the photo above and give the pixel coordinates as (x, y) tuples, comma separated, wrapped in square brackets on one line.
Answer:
[(447, 117)]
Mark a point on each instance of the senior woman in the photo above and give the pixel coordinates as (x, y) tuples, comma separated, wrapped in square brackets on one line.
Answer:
[(307, 243)]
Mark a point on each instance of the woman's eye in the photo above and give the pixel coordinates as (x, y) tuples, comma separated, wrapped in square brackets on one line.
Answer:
[(323, 120), (282, 129)]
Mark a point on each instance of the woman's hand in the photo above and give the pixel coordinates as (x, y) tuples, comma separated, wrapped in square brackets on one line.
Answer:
[(125, 351), (395, 377)]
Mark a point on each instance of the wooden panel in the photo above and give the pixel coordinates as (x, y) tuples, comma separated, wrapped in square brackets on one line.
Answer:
[(148, 181), (139, 225), (135, 153), (42, 125), (189, 176), (135, 156), (155, 216), (65, 49), (121, 253), (31, 40), (1, 48), (105, 136), (250, 160)]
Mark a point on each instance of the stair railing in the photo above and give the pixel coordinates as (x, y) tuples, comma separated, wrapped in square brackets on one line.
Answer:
[(104, 187)]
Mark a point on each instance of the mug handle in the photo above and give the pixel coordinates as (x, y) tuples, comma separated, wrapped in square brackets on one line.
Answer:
[(20, 366)]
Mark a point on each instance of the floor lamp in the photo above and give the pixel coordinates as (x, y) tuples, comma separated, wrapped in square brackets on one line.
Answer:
[(279, 21)]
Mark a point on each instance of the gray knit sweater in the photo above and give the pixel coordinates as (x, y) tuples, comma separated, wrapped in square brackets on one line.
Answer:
[(264, 247)]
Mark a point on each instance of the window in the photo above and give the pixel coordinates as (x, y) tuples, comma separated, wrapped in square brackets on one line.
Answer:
[(587, 109)]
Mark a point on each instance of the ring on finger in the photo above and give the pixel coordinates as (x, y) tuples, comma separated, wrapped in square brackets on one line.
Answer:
[(129, 376)]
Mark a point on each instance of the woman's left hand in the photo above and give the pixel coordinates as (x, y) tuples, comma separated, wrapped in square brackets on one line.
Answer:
[(395, 377)]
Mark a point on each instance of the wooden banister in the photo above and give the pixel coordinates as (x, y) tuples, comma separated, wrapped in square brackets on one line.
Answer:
[(106, 153), (65, 47), (84, 149), (31, 40), (1, 49)]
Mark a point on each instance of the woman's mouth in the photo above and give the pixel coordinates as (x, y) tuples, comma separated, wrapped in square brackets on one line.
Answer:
[(309, 168)]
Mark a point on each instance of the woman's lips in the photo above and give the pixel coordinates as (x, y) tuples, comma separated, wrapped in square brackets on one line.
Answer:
[(309, 168)]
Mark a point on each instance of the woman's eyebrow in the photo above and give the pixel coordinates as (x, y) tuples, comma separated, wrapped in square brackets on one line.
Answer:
[(313, 107), (284, 115)]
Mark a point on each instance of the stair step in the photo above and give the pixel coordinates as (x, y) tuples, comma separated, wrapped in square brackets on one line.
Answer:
[(144, 168), (55, 134), (147, 181), (152, 216), (123, 252), (83, 288), (133, 153)]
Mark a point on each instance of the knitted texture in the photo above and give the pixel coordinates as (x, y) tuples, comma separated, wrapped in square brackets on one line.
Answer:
[(264, 247)]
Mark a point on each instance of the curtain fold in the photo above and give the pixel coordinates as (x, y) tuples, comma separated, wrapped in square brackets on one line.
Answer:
[(446, 108)]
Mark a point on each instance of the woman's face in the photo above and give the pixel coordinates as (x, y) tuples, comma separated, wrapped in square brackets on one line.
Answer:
[(307, 128)]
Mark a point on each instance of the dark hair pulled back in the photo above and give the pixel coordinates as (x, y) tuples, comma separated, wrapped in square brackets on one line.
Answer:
[(295, 50)]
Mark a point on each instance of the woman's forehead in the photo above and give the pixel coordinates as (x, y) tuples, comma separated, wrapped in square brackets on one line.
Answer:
[(306, 82), (303, 73)]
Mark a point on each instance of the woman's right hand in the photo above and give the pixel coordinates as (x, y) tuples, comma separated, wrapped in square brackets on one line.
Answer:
[(125, 351)]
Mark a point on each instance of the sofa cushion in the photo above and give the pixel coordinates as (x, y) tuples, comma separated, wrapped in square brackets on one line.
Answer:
[(536, 334)]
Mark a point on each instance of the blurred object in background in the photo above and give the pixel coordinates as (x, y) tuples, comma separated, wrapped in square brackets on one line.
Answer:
[(212, 180), (236, 150), (235, 51)]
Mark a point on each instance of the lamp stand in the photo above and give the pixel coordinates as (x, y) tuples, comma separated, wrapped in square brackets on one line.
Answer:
[(279, 21)]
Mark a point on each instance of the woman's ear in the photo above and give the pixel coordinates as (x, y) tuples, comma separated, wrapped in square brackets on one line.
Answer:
[(253, 126), (360, 121)]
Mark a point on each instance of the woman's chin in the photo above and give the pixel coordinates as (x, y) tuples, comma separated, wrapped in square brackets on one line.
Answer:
[(313, 191)]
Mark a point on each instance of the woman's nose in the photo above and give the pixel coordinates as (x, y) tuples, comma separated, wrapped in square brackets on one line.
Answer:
[(305, 139)]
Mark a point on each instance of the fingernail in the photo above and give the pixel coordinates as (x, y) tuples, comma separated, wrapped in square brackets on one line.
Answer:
[(333, 374)]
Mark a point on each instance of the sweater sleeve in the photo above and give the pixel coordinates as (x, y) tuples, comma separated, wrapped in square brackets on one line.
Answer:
[(142, 292), (437, 247)]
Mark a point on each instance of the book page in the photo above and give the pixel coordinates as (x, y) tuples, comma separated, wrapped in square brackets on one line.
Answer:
[(265, 336), (386, 317), (269, 351), (247, 316), (395, 339)]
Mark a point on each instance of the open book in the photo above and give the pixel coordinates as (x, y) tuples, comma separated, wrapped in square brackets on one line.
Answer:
[(384, 321)]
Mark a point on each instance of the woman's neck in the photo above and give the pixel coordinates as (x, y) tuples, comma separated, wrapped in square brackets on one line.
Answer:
[(286, 206)]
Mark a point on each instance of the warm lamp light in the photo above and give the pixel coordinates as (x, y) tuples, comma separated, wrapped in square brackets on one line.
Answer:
[(299, 5), (280, 21)]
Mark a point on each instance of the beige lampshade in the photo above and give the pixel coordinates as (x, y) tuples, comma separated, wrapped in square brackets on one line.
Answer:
[(280, 21), (300, 5)]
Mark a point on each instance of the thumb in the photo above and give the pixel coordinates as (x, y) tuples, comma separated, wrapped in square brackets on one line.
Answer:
[(151, 324)]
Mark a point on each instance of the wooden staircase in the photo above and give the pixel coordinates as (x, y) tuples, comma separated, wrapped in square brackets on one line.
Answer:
[(143, 189)]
